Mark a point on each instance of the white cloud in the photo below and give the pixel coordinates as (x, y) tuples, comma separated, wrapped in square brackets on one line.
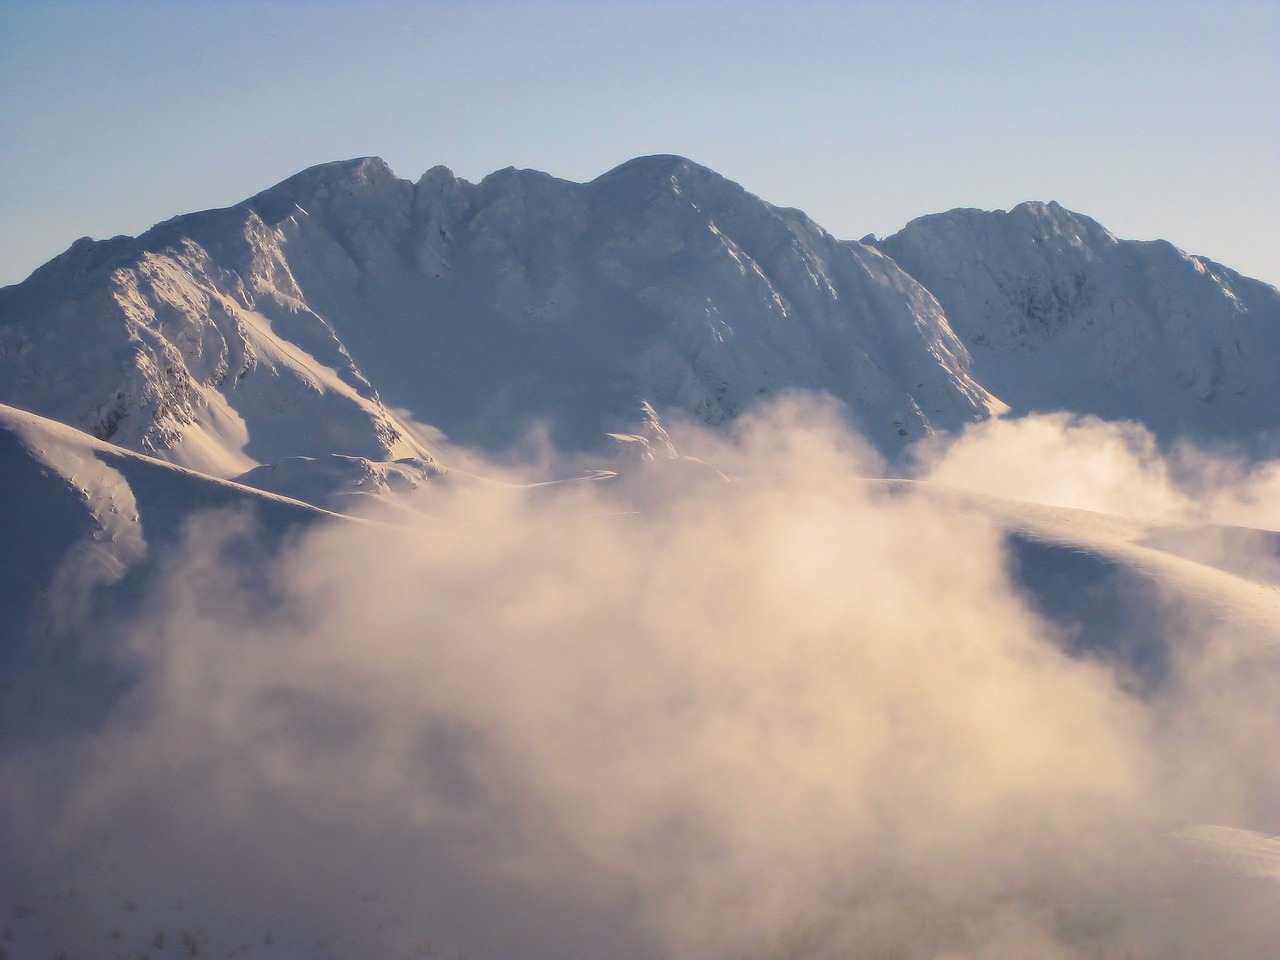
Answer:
[(792, 715), (1106, 466)]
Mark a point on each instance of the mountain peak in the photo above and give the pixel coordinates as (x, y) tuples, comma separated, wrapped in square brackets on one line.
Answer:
[(659, 167), (320, 183), (1053, 219), (1030, 218), (1062, 315), (354, 170), (658, 164), (439, 175)]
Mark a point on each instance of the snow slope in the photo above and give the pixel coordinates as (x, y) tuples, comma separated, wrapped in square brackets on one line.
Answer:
[(81, 518), (159, 349), (1058, 314)]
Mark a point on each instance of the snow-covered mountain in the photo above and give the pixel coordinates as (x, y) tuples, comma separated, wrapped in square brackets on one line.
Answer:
[(291, 324), (1058, 314), (311, 319), (308, 650)]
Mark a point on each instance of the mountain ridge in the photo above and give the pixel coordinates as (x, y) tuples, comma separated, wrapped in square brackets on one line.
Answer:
[(485, 309), (626, 276)]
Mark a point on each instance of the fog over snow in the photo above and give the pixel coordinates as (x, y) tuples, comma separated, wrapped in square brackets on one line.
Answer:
[(633, 570), (735, 703)]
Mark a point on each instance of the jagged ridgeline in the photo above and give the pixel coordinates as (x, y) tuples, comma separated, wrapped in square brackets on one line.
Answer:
[(314, 318)]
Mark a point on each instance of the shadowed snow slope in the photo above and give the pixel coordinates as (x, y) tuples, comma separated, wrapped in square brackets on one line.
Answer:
[(78, 516), (1060, 315)]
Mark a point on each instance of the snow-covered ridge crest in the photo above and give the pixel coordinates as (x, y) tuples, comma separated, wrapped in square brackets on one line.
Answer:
[(292, 324), (276, 328)]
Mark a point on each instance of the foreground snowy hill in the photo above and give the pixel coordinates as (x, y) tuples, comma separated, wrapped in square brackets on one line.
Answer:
[(1059, 314), (79, 517)]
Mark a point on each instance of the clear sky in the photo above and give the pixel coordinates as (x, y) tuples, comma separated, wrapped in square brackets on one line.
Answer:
[(1159, 119)]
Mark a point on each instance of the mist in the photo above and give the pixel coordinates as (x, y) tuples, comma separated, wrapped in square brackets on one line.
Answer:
[(1115, 467), (740, 706)]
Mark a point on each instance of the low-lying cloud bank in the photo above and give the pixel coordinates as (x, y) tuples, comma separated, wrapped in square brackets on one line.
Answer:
[(667, 715), (1110, 467)]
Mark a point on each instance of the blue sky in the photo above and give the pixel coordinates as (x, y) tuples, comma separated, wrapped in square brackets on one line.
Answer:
[(1159, 119)]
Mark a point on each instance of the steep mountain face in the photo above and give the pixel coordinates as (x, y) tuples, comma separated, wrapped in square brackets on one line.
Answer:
[(483, 307), (238, 337), (155, 345), (1058, 314)]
